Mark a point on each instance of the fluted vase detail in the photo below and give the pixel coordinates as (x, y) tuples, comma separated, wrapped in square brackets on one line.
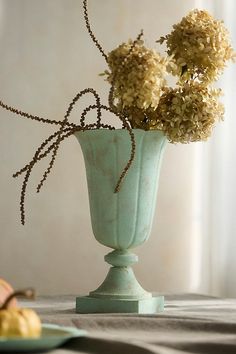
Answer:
[(123, 220)]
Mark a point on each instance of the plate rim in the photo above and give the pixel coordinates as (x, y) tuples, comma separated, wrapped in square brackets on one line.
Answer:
[(71, 332)]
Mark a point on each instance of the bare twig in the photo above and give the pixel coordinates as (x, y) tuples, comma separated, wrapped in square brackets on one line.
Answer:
[(88, 26)]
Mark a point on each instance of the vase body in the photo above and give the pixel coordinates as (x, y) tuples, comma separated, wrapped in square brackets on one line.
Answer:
[(123, 220)]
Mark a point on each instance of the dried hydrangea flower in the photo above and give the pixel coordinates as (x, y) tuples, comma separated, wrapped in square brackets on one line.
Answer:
[(137, 75), (200, 46), (138, 118), (187, 114)]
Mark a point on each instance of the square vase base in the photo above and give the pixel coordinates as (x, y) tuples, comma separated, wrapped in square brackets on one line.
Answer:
[(88, 304)]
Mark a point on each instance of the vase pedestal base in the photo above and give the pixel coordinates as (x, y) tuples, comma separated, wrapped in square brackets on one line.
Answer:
[(120, 292), (89, 304)]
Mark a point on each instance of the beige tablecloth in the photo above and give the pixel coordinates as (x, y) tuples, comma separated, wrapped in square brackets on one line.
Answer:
[(189, 324)]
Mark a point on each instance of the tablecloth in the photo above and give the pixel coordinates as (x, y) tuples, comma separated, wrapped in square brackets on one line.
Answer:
[(189, 324)]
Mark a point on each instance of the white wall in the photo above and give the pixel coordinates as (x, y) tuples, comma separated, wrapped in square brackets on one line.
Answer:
[(46, 58)]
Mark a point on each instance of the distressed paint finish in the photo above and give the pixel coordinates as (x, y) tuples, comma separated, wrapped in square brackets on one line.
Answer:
[(121, 220)]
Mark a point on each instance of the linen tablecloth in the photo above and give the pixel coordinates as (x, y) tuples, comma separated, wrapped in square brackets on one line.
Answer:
[(189, 324)]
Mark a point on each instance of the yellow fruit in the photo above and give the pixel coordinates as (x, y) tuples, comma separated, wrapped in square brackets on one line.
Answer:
[(19, 322), (5, 290)]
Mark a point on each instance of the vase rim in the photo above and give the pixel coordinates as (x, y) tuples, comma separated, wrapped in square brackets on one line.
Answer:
[(120, 130)]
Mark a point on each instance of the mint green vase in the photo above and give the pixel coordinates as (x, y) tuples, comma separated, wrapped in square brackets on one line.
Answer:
[(123, 220)]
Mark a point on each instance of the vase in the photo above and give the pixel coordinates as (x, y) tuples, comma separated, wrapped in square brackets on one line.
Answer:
[(122, 220)]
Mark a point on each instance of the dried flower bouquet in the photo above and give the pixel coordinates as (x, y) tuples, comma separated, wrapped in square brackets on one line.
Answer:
[(198, 49)]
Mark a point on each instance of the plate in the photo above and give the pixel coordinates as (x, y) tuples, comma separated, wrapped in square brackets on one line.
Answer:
[(52, 336)]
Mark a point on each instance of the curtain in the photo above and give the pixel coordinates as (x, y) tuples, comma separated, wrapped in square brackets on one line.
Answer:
[(216, 176)]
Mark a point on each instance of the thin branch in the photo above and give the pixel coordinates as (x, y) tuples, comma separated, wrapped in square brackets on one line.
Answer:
[(133, 144), (64, 122), (28, 115), (88, 26)]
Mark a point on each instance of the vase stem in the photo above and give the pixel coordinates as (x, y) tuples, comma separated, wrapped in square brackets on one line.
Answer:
[(121, 258), (120, 282)]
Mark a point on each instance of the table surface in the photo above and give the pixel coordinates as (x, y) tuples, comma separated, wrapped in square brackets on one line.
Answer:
[(189, 324)]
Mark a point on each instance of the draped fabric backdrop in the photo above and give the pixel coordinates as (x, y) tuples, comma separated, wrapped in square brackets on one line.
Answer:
[(217, 163), (46, 58)]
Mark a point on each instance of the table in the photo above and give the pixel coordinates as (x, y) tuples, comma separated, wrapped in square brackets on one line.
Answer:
[(189, 324)]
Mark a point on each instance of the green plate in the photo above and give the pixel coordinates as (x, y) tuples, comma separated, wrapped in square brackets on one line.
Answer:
[(52, 336)]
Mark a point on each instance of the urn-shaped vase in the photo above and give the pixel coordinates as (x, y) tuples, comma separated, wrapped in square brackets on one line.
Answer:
[(121, 220)]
